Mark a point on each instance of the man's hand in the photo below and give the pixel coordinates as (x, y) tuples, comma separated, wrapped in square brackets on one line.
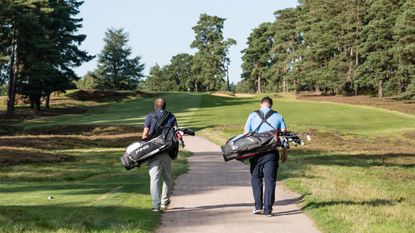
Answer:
[(145, 133), (284, 155)]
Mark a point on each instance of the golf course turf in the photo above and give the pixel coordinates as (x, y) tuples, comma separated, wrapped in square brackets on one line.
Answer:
[(357, 174)]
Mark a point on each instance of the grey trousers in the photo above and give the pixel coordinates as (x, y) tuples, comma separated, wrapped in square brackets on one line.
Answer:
[(160, 166)]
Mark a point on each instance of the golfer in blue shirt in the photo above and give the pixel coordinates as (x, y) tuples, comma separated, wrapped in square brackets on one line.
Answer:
[(264, 167)]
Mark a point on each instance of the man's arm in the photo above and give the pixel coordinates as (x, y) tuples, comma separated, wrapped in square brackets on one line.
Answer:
[(284, 154), (145, 133), (175, 122), (147, 123), (248, 124)]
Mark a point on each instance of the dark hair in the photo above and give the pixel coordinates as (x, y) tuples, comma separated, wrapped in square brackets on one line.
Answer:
[(160, 98), (267, 99)]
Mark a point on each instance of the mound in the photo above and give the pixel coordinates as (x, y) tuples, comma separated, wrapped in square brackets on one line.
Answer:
[(98, 95)]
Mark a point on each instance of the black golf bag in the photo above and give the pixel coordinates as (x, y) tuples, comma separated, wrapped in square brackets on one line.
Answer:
[(252, 144), (140, 152)]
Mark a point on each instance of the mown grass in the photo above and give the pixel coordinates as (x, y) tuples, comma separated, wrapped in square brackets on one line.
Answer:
[(357, 174)]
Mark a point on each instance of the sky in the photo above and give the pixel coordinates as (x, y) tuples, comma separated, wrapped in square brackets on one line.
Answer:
[(160, 29)]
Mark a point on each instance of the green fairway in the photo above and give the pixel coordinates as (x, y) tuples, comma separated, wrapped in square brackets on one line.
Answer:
[(204, 111), (339, 174)]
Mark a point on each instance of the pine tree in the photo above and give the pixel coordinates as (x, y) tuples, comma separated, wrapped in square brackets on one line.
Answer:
[(348, 57), (404, 49), (377, 66), (210, 60), (322, 39), (43, 47), (18, 18), (287, 41), (257, 58), (116, 70)]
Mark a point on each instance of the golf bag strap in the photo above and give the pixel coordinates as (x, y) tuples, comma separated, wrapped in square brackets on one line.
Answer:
[(160, 121), (163, 118), (264, 118)]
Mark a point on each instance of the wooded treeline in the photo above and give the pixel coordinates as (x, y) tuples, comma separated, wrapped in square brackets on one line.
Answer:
[(331, 46), (335, 47), (39, 47)]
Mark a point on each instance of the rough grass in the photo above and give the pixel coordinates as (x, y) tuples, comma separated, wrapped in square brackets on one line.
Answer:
[(405, 106), (80, 168)]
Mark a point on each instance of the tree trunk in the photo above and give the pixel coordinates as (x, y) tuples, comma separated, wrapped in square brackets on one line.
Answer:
[(12, 75), (36, 103), (297, 88), (380, 88), (227, 79), (284, 85), (47, 105), (259, 84), (278, 86)]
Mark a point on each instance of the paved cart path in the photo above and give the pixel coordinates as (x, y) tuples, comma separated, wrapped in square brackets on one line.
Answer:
[(214, 196)]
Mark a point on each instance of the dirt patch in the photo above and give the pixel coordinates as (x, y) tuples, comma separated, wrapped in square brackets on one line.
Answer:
[(85, 130), (59, 142), (98, 95), (231, 94), (72, 136), (27, 114), (244, 95), (223, 94), (39, 145), (336, 142), (405, 106), (107, 96), (15, 157)]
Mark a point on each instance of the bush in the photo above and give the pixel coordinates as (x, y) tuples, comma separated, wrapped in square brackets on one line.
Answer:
[(243, 87), (409, 94)]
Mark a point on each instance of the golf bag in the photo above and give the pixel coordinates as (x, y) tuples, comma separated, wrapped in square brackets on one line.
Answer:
[(140, 152), (251, 144)]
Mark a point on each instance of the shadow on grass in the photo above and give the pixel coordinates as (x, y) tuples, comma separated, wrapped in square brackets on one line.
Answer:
[(402, 160), (372, 203), (41, 218)]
